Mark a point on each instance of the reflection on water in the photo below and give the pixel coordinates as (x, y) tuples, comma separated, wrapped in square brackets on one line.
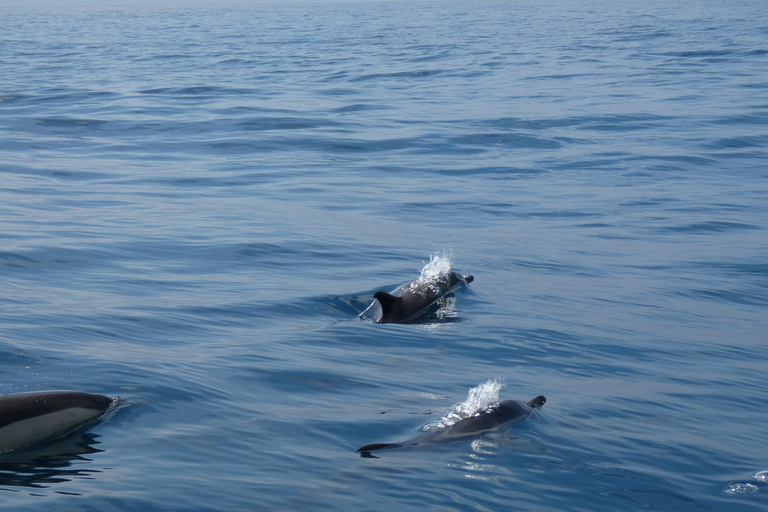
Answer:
[(53, 464)]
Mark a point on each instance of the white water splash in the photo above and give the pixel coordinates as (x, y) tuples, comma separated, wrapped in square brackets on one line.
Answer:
[(434, 272), (438, 264), (480, 399), (740, 488)]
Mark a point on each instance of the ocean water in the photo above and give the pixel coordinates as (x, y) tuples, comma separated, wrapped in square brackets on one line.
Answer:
[(196, 204)]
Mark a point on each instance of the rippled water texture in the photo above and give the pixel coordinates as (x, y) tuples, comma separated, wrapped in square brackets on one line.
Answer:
[(197, 203)]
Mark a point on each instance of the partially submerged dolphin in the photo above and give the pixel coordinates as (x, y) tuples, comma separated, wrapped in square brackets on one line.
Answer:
[(488, 419), (416, 298), (27, 418)]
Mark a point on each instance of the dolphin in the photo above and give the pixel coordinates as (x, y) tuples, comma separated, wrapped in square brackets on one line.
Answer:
[(503, 412), (417, 297), (27, 418)]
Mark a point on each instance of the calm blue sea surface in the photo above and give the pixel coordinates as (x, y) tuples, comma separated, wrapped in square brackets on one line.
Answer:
[(196, 204)]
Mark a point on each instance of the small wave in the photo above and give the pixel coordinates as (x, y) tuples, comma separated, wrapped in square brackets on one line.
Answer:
[(415, 74), (709, 227), (480, 398)]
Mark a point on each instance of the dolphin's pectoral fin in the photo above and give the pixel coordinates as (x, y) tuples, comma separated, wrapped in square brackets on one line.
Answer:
[(377, 446), (537, 402), (387, 301)]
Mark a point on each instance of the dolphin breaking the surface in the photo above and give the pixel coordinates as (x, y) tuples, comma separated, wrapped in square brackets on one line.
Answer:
[(418, 297), (28, 418), (466, 427)]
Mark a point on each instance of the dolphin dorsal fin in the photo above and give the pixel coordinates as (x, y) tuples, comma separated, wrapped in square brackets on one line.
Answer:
[(377, 446), (387, 301)]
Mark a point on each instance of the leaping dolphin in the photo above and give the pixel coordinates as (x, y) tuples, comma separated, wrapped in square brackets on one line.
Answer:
[(416, 298), (27, 418), (489, 419)]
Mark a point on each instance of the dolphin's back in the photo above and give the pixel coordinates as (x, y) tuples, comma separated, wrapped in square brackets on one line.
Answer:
[(411, 300), (23, 406), (503, 412), (508, 410), (26, 418)]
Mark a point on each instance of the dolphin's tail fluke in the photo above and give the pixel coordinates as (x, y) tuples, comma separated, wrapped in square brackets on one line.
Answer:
[(377, 446), (537, 402)]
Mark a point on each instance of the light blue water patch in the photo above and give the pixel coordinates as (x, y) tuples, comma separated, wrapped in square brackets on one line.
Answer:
[(197, 203)]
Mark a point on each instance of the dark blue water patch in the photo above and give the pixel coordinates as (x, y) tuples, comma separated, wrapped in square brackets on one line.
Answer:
[(35, 263), (165, 57), (617, 125), (336, 145), (359, 107), (692, 160), (212, 92), (511, 140), (15, 260), (66, 124), (399, 76), (291, 381), (286, 123), (646, 33), (658, 201), (8, 100), (559, 77), (754, 85), (68, 97), (555, 350), (174, 255), (755, 141), (699, 54), (151, 185), (57, 174), (720, 207), (500, 172), (221, 315), (559, 214), (551, 267), (626, 122), (756, 297), (594, 163), (344, 92), (142, 328), (753, 118), (429, 54), (15, 358), (594, 225), (97, 132), (709, 227), (740, 269)]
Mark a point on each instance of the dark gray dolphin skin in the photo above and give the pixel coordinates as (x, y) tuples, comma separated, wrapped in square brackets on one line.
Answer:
[(27, 418), (411, 300), (503, 412)]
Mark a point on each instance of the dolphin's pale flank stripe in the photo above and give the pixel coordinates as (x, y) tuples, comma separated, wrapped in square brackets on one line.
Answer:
[(27, 418)]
